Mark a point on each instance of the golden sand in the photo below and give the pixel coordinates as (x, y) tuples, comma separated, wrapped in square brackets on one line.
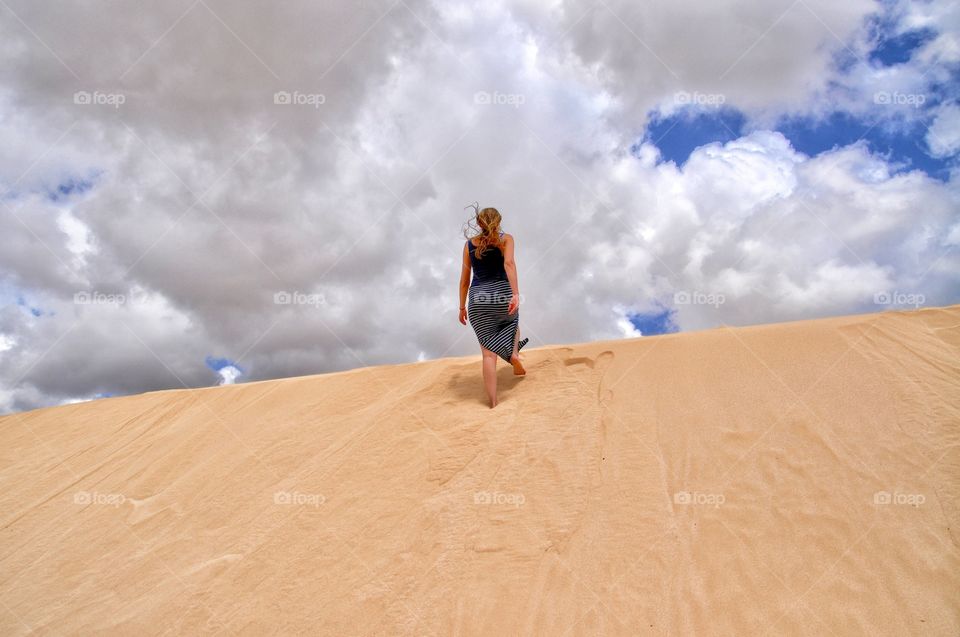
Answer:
[(799, 478)]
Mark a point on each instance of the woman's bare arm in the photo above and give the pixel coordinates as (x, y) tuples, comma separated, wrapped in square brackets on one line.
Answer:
[(464, 283), (510, 265)]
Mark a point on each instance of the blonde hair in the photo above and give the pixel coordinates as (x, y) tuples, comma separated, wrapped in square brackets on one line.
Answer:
[(485, 228)]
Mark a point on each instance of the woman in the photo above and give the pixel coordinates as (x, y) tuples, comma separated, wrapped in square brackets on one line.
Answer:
[(494, 295)]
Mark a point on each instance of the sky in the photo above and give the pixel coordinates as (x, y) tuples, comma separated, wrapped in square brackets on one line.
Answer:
[(203, 192)]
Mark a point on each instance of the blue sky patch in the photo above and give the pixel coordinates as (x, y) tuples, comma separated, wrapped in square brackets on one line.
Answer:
[(681, 133), (216, 364), (898, 49), (35, 311), (906, 147), (71, 186), (651, 323)]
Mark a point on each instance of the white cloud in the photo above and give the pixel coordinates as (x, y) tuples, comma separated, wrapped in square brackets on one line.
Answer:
[(943, 137), (228, 375), (627, 328)]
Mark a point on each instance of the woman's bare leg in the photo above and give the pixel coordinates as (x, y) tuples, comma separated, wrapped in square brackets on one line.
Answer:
[(490, 375), (518, 369)]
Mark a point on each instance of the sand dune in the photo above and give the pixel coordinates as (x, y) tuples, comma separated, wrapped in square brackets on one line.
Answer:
[(793, 479)]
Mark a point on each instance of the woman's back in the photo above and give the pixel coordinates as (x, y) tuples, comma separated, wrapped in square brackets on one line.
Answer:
[(489, 266)]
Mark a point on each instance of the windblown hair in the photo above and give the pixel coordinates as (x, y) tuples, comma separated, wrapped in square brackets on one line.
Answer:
[(485, 228)]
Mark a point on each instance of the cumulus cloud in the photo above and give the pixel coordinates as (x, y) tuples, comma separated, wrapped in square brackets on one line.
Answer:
[(943, 137), (284, 184), (228, 375)]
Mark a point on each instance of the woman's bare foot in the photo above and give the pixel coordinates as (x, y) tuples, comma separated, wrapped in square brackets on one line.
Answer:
[(518, 369)]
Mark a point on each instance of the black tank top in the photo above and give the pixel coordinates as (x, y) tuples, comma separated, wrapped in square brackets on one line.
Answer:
[(490, 266)]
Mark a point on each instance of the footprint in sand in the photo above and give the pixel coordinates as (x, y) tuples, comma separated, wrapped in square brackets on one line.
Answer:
[(601, 361)]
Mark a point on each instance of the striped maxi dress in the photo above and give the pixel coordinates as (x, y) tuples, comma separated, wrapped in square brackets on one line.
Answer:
[(487, 303)]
